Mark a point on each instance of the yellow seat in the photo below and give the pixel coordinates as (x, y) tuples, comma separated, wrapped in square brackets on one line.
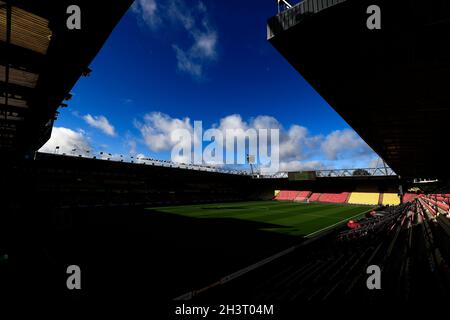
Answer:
[(391, 199), (364, 198)]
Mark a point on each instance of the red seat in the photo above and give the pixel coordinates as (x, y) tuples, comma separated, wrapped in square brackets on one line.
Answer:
[(314, 197), (334, 197), (434, 203), (286, 195), (407, 197), (302, 195)]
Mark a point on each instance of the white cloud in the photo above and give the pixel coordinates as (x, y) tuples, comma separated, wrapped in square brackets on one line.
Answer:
[(296, 165), (299, 150), (340, 143), (203, 49), (199, 39), (157, 127), (293, 143), (233, 122), (101, 123), (132, 145), (147, 11), (205, 45), (265, 122), (67, 140), (186, 64)]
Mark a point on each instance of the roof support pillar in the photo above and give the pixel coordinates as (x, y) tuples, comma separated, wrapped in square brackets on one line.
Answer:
[(8, 43)]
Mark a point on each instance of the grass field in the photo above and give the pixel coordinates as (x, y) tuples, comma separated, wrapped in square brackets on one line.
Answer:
[(289, 218), (171, 250)]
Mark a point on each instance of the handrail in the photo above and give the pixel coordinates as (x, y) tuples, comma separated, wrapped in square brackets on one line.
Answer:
[(294, 14)]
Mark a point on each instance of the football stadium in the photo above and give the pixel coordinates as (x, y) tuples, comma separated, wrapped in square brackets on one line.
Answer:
[(149, 231)]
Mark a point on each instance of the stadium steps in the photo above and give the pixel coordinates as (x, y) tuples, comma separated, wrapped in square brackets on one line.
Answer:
[(294, 272), (444, 222), (269, 289), (327, 269), (327, 279), (361, 277), (431, 256), (305, 282), (356, 267), (280, 291), (334, 270), (275, 278), (317, 280), (397, 266)]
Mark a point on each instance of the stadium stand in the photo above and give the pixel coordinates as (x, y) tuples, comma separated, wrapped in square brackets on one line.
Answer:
[(428, 209), (286, 195), (364, 198), (70, 182), (439, 206), (333, 267), (390, 199), (315, 197), (322, 270), (407, 197), (440, 195), (334, 197), (302, 196)]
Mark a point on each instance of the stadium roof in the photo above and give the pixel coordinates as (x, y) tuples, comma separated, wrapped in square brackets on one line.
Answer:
[(391, 85), (41, 60)]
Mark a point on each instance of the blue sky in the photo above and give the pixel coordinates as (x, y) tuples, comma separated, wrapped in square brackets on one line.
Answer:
[(169, 63)]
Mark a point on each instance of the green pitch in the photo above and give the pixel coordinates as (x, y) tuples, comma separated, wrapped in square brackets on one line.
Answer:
[(289, 218)]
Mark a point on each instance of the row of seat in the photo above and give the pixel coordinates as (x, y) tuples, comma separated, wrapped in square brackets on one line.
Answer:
[(364, 198), (286, 195), (400, 240), (334, 197), (302, 196), (315, 197), (408, 197), (374, 222), (438, 203)]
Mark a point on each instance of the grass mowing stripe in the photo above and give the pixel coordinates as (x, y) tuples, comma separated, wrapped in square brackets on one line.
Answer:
[(342, 221), (199, 211), (286, 217), (278, 213), (329, 212)]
